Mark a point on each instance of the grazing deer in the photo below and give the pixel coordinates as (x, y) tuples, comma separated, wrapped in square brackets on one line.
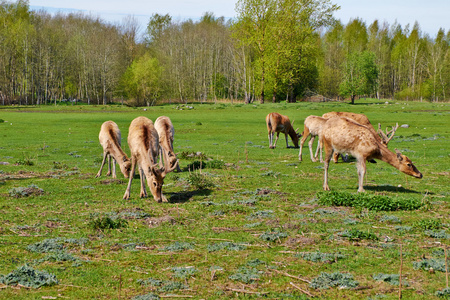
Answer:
[(313, 128), (363, 120), (166, 133), (343, 135), (110, 139), (279, 123), (143, 141)]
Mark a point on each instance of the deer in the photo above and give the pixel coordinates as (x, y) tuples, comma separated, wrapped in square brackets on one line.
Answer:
[(166, 132), (313, 128), (110, 139), (363, 120), (344, 135), (277, 123), (143, 141)]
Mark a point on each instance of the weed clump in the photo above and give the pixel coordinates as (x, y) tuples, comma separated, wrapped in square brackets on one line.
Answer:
[(320, 257), (430, 264), (390, 219), (369, 201), (149, 296), (200, 181), (20, 192), (178, 246), (356, 235), (53, 245), (184, 272), (246, 275), (29, 277), (393, 279), (442, 234), (226, 246), (262, 214), (163, 285), (272, 236), (327, 280), (428, 224), (445, 293)]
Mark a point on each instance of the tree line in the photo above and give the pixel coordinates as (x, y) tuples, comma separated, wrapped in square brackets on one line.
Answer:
[(273, 50)]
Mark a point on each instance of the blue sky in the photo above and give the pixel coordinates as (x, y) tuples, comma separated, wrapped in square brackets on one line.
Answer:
[(431, 15)]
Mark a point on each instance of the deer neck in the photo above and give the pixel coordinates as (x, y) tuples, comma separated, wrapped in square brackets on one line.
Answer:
[(119, 155), (388, 156)]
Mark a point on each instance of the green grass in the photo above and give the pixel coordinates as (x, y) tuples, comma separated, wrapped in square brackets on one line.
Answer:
[(236, 202)]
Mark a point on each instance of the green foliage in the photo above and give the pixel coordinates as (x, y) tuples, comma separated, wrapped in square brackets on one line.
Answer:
[(178, 246), (102, 223), (184, 272), (273, 236), (163, 285), (149, 296), (53, 245), (365, 200), (430, 264), (428, 224), (200, 181), (29, 277), (445, 293), (328, 280), (442, 234), (321, 257)]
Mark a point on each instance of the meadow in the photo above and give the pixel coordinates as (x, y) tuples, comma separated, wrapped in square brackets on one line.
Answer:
[(243, 221)]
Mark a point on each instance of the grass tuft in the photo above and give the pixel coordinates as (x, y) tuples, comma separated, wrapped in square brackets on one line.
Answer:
[(29, 277), (328, 280)]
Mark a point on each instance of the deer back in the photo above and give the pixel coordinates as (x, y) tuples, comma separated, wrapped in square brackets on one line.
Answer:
[(143, 139)]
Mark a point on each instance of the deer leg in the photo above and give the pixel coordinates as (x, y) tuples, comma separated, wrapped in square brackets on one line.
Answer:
[(126, 196), (310, 144), (276, 140), (326, 163), (305, 135), (361, 167), (101, 167), (109, 165), (286, 137), (161, 158), (270, 135), (143, 190), (113, 168)]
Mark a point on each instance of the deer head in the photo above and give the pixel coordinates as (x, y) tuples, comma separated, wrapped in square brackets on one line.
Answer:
[(406, 165), (385, 138), (156, 181), (125, 167)]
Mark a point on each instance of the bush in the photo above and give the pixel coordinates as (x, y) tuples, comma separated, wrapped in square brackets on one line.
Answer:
[(199, 181), (428, 224), (355, 235), (364, 200), (103, 223)]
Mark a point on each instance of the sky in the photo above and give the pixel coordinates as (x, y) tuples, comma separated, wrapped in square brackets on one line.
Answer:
[(431, 15)]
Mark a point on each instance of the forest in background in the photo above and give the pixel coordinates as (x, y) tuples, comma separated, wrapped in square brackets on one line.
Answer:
[(274, 50)]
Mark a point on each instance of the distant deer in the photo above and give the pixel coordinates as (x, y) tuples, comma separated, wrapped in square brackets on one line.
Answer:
[(143, 141), (166, 133), (313, 128), (110, 139), (279, 123), (343, 135), (363, 120)]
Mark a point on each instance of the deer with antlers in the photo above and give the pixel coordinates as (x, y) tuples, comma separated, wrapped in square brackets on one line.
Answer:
[(343, 135), (166, 132), (277, 123), (363, 120), (143, 141), (110, 139)]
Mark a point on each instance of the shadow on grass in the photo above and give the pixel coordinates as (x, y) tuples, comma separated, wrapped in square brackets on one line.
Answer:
[(184, 196), (390, 188)]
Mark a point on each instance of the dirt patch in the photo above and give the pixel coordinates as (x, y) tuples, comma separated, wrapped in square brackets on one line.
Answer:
[(268, 191), (298, 242)]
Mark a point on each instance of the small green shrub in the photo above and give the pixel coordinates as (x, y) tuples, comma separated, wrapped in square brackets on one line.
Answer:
[(355, 234), (442, 234), (390, 219), (320, 257), (29, 277), (393, 279), (106, 222), (427, 264), (428, 224), (19, 192), (445, 293), (327, 280), (149, 296), (272, 236), (178, 246), (164, 285), (184, 272), (262, 214), (226, 246), (200, 181), (246, 275)]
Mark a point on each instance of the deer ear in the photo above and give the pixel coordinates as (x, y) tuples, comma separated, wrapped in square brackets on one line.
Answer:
[(399, 155), (124, 159)]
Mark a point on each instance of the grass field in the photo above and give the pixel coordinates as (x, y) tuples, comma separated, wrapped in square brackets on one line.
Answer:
[(251, 224)]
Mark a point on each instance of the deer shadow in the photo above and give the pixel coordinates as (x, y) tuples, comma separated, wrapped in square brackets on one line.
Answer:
[(182, 197), (393, 189)]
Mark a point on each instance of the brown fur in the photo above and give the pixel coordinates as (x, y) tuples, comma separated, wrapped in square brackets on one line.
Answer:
[(110, 139), (343, 135), (166, 133), (277, 123), (313, 128), (144, 146)]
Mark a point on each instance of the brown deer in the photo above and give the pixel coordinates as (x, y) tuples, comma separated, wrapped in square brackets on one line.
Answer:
[(279, 123), (313, 128), (343, 135), (166, 133), (110, 139), (363, 120), (143, 141)]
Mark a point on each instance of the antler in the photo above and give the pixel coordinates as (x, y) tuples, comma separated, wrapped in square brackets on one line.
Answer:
[(385, 138)]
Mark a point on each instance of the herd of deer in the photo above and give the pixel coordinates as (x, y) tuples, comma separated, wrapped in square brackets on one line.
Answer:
[(146, 141), (339, 133)]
